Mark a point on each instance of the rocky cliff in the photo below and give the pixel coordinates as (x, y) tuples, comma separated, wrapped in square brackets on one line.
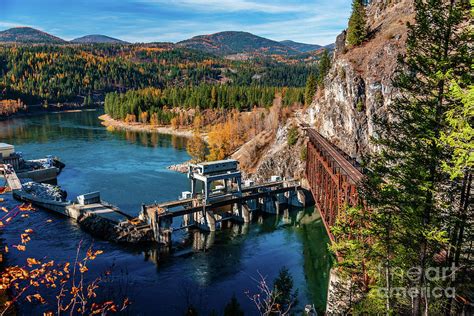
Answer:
[(359, 85), (271, 153)]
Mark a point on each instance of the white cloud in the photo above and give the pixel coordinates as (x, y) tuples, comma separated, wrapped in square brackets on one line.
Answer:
[(315, 21), (232, 6), (5, 24), (319, 29)]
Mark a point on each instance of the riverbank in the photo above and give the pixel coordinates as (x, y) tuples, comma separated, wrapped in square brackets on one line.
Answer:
[(33, 110), (180, 167), (109, 122)]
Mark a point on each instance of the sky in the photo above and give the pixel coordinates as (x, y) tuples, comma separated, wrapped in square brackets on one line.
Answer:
[(310, 21)]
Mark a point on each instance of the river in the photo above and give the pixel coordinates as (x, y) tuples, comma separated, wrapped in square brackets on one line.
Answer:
[(129, 168)]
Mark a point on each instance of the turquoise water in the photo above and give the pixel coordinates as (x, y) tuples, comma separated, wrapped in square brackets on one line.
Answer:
[(129, 168)]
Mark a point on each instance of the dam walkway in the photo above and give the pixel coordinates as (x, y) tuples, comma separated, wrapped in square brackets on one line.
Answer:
[(222, 198)]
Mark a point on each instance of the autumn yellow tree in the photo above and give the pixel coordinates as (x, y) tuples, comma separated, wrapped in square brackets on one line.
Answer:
[(144, 117), (220, 141), (197, 123), (174, 122), (196, 148), (154, 119)]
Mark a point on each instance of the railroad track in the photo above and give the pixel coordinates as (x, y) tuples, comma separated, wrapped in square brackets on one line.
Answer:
[(349, 169)]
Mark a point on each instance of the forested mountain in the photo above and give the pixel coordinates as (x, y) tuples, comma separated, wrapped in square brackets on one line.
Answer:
[(69, 73), (231, 42), (301, 47), (29, 35), (221, 44), (97, 39), (58, 72)]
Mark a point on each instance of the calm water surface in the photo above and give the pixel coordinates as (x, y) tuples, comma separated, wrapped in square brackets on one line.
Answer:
[(129, 168)]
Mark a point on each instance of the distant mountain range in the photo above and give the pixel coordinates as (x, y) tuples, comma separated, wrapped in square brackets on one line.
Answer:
[(222, 43), (231, 42), (301, 47), (97, 38)]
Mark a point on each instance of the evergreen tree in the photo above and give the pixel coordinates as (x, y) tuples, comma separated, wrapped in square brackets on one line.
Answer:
[(412, 198), (459, 136), (324, 66), (233, 308), (285, 295), (87, 100), (196, 148), (310, 89), (357, 29), (213, 97)]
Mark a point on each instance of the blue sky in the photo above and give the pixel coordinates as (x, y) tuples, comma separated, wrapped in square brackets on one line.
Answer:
[(312, 21)]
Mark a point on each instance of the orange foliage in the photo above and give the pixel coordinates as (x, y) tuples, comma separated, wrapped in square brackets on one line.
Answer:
[(154, 119), (72, 293), (174, 123), (144, 117), (8, 107), (196, 148), (130, 118)]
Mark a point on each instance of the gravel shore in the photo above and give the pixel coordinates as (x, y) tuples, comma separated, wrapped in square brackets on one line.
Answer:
[(140, 127)]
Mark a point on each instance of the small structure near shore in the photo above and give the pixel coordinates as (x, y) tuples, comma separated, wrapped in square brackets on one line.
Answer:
[(39, 170), (47, 196), (91, 213), (10, 176), (107, 221)]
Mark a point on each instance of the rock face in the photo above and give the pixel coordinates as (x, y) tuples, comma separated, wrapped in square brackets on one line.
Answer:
[(357, 88), (123, 232), (282, 158), (359, 83), (340, 43)]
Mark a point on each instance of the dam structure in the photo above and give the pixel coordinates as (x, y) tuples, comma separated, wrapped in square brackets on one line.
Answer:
[(218, 196)]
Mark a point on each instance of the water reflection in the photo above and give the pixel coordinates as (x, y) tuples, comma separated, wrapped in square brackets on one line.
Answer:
[(219, 261), (80, 125)]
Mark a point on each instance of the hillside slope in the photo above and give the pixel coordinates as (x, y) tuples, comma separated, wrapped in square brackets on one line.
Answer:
[(358, 86), (97, 39), (301, 47), (232, 42), (29, 35)]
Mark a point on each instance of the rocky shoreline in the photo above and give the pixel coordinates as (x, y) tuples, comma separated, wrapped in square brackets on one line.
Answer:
[(109, 122), (179, 167)]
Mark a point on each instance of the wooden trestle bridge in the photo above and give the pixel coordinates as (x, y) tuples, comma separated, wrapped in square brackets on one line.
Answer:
[(333, 178)]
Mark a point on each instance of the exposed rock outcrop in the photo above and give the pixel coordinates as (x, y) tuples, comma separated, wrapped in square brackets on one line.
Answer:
[(359, 83), (277, 155), (124, 232)]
